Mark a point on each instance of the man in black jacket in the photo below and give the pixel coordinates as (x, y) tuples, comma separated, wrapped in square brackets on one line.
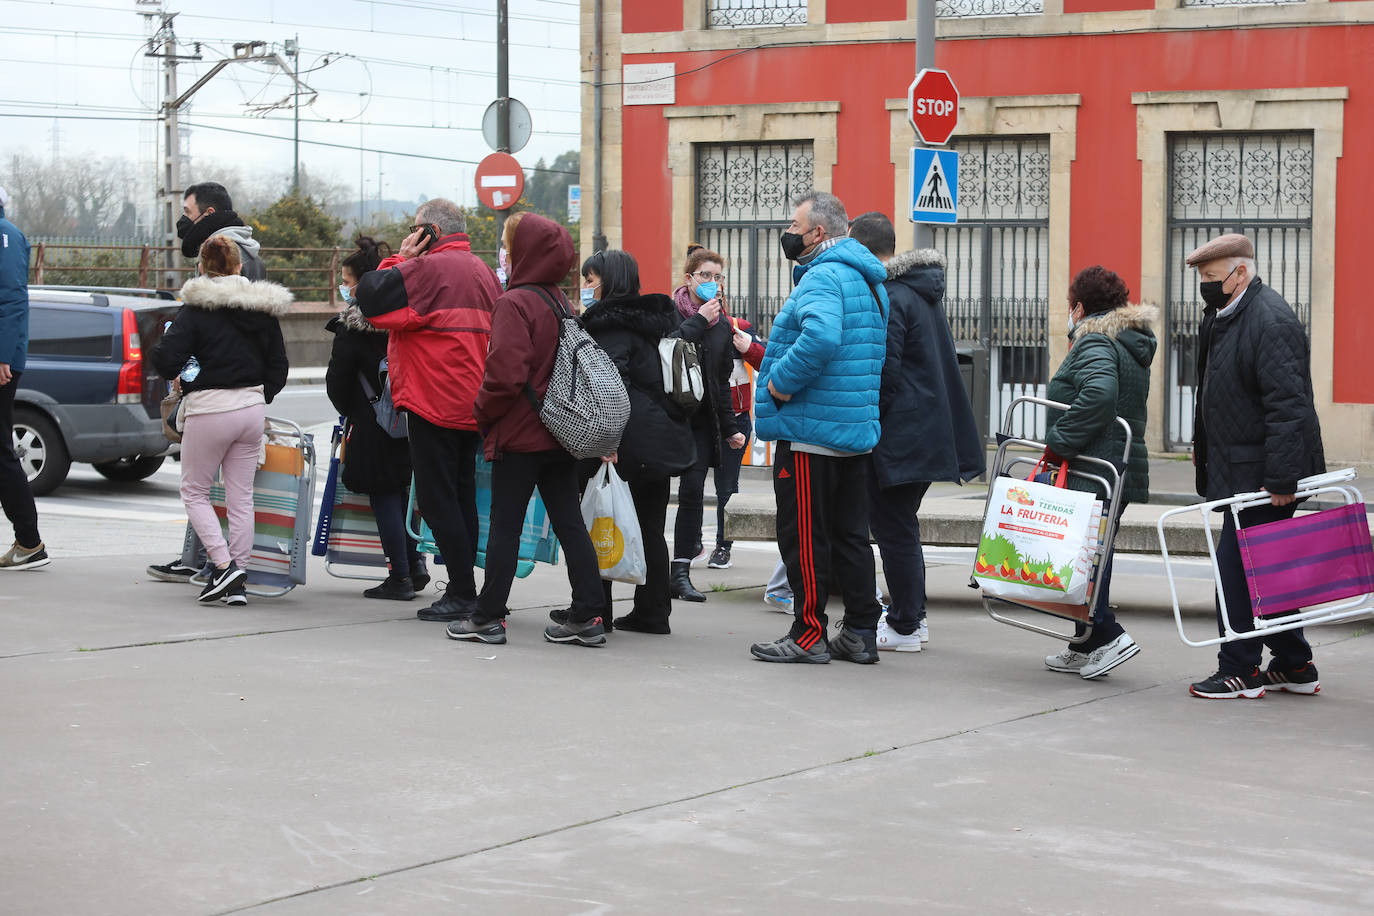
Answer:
[(928, 429), (1254, 427)]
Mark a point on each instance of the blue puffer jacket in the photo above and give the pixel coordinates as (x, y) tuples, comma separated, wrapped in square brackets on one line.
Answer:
[(826, 349), (14, 295)]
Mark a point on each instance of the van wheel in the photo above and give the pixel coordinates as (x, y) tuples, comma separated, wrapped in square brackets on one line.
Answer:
[(41, 452), (135, 467)]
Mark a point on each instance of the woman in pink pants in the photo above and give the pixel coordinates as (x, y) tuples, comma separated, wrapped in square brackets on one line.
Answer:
[(226, 347)]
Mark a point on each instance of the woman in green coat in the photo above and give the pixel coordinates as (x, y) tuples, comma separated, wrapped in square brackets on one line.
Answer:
[(1106, 375)]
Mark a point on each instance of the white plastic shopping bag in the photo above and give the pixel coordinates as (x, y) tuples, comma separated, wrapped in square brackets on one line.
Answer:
[(1038, 542), (609, 513)]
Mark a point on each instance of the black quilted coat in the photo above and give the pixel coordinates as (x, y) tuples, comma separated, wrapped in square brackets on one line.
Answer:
[(1254, 424)]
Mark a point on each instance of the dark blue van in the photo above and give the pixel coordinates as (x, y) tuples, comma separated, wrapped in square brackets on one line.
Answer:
[(87, 393)]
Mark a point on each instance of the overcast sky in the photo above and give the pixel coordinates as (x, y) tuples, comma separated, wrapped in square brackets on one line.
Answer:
[(428, 68)]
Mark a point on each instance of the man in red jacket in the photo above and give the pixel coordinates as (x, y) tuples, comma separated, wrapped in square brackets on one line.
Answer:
[(435, 297)]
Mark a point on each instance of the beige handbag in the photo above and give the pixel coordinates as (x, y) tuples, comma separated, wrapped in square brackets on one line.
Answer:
[(170, 404)]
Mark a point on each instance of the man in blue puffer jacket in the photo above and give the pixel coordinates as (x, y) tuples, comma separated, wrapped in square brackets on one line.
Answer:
[(818, 397)]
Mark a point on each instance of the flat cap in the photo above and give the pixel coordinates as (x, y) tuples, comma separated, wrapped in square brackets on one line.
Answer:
[(1231, 245)]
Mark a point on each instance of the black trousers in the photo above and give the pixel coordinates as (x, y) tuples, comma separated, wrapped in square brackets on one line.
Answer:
[(15, 496), (1290, 649), (896, 528), (691, 494), (823, 538), (445, 463), (390, 511), (653, 600), (513, 478), (727, 475)]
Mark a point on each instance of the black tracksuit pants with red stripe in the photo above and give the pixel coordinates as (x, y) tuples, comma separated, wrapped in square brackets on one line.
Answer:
[(823, 538)]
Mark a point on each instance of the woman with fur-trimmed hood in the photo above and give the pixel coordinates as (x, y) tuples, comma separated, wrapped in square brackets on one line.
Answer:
[(225, 347), (1106, 375), (374, 463)]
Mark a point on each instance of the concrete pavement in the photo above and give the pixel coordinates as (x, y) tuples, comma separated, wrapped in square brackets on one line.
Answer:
[(321, 753)]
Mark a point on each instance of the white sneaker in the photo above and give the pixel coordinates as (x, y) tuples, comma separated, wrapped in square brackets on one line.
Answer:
[(923, 631), (1070, 661), (780, 603), (1105, 658), (889, 640)]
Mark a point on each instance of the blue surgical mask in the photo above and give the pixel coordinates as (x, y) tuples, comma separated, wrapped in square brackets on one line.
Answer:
[(346, 294), (708, 291), (588, 296)]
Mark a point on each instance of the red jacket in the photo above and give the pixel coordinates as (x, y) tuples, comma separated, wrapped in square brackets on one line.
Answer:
[(742, 396), (524, 340), (437, 307)]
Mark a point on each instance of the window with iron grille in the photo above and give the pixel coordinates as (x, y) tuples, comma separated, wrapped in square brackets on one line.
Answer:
[(744, 202), (751, 14), (968, 9), (1237, 2), (997, 282), (1257, 184)]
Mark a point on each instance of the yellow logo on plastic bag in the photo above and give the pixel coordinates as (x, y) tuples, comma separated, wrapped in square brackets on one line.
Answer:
[(608, 541)]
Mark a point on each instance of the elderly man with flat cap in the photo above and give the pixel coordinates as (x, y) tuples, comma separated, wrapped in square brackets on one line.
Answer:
[(1254, 427)]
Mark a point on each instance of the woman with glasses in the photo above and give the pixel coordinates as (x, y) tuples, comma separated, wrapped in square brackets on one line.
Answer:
[(701, 303)]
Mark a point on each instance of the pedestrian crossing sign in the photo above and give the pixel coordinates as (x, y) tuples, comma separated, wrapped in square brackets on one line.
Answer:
[(934, 185)]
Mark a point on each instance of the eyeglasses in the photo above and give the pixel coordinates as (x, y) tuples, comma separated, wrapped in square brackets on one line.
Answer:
[(704, 277), (420, 227)]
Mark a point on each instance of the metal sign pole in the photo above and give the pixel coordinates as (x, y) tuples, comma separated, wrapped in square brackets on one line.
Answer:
[(924, 235)]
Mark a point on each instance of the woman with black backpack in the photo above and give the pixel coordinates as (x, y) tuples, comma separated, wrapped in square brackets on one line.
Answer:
[(658, 443), (374, 463)]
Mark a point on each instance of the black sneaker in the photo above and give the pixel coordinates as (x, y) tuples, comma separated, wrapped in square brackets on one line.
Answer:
[(237, 596), (786, 650), (720, 558), (419, 574), (223, 580), (1302, 679), (1230, 687), (447, 609), (561, 615), (175, 571), (395, 588), (858, 646), (587, 633), (492, 632), (635, 623)]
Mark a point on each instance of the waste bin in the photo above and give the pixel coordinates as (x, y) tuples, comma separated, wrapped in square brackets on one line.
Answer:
[(973, 369)]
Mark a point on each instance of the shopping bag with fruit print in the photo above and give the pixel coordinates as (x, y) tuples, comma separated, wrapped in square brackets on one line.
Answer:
[(1038, 542)]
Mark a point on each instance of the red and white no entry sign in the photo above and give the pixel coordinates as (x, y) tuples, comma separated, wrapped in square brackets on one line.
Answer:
[(500, 181), (932, 106)]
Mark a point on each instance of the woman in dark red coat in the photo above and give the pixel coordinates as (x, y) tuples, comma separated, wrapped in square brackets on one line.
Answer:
[(524, 454)]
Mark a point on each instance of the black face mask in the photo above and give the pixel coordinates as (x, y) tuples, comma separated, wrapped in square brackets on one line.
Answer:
[(1213, 294), (793, 245), (184, 226)]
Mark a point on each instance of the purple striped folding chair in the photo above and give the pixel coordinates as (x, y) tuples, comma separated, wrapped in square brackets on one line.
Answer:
[(1308, 560)]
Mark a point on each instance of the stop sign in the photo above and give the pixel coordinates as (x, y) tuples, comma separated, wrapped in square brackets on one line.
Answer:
[(500, 181), (932, 106)]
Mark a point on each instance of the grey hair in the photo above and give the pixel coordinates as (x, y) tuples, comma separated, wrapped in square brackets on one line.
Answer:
[(827, 211), (444, 214), (1250, 266)]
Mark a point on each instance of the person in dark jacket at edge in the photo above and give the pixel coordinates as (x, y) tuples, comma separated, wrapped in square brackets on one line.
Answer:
[(702, 306), (658, 443), (1106, 375), (208, 211), (374, 463), (226, 347), (929, 432), (435, 298), (1255, 428), (525, 332)]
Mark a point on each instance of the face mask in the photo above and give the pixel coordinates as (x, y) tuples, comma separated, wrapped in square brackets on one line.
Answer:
[(184, 226), (708, 291), (1212, 292), (588, 296), (346, 294), (793, 245)]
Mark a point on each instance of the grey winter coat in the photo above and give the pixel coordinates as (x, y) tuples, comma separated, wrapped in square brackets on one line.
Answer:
[(929, 432), (1254, 423)]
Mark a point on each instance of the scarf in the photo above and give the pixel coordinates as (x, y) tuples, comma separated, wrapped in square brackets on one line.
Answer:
[(687, 304), (208, 226)]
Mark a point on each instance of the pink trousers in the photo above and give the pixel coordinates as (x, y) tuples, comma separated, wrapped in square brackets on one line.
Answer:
[(209, 443)]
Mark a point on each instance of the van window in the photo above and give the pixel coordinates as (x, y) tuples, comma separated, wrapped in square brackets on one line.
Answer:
[(71, 332)]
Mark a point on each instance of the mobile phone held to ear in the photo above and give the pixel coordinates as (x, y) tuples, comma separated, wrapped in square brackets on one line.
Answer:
[(430, 233)]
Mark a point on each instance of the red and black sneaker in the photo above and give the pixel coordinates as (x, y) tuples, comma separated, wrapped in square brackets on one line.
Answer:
[(1302, 679), (1230, 686)]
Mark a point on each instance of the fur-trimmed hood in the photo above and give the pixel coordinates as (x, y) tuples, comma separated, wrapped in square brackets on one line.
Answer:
[(236, 292), (923, 270), (653, 316), (351, 318), (908, 261), (1130, 325)]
